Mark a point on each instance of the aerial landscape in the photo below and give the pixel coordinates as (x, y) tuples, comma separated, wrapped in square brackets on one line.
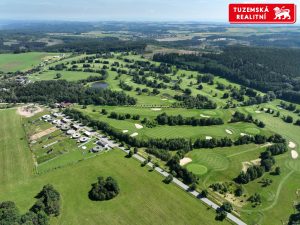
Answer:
[(111, 121)]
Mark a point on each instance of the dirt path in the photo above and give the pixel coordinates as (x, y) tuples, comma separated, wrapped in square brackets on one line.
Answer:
[(43, 133)]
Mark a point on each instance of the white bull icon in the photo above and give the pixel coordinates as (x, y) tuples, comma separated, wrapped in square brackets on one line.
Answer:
[(281, 13)]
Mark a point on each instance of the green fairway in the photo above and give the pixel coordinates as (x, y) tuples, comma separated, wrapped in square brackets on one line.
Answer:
[(15, 158), (66, 75), (24, 61)]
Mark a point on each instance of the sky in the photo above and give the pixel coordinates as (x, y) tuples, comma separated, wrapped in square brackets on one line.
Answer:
[(129, 10)]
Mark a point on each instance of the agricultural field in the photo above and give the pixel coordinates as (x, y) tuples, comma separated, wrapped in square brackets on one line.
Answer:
[(125, 209), (22, 62)]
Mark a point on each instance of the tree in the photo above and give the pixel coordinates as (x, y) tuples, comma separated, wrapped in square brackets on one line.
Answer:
[(58, 75), (193, 186), (135, 150), (104, 189), (204, 193), (104, 112), (239, 191), (226, 206), (188, 91), (48, 200), (130, 154), (9, 214), (168, 179), (277, 171), (288, 119)]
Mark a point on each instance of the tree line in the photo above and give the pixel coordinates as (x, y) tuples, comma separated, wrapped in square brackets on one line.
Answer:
[(266, 69), (164, 119), (47, 92), (46, 205), (267, 160)]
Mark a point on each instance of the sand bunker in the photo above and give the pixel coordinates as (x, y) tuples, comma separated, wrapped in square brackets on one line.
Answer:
[(164, 99), (204, 116), (244, 134), (228, 131), (257, 111), (156, 109), (185, 161), (208, 137), (125, 131), (292, 145), (43, 133), (138, 126), (246, 165), (294, 154), (134, 134), (29, 110)]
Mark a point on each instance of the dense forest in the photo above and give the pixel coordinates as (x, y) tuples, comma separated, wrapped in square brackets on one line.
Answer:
[(48, 92), (266, 69)]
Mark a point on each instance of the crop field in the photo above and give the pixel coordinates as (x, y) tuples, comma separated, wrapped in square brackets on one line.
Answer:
[(24, 61), (130, 207)]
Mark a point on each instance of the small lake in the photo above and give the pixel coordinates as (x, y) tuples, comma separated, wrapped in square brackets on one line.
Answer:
[(101, 85)]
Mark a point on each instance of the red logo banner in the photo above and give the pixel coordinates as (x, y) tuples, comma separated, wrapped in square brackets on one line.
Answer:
[(262, 13)]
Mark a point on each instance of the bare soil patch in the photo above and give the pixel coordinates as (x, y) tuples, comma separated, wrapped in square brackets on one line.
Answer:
[(29, 110), (43, 133)]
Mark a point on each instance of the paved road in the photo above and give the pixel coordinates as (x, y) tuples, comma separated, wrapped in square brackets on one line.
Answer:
[(175, 180), (183, 186)]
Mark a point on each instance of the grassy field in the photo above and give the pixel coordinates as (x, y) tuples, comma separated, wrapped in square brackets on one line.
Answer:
[(24, 61), (217, 131), (144, 198), (16, 160), (66, 75)]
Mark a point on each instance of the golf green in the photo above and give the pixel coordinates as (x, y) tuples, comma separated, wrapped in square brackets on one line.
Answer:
[(252, 130), (197, 169)]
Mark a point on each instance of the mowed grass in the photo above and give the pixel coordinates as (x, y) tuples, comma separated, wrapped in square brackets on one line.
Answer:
[(16, 162), (144, 198), (24, 61), (66, 75)]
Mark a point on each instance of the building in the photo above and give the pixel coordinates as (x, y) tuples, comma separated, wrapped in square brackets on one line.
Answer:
[(96, 149), (75, 126), (46, 117), (76, 136), (83, 139), (102, 143), (65, 127), (71, 132), (87, 133)]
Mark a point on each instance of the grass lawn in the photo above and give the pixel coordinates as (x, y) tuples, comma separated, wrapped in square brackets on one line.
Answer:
[(144, 198), (24, 61), (66, 75), (16, 162)]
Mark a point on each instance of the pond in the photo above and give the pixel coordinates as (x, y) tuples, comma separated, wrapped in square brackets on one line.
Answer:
[(101, 85)]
